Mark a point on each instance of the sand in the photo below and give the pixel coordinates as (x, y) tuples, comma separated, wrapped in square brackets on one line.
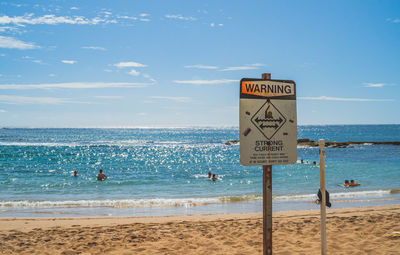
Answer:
[(367, 230)]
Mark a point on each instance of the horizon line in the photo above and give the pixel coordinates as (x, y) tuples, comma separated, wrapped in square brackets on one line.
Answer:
[(178, 127)]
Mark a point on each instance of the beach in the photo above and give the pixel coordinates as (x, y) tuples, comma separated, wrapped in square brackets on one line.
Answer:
[(364, 230)]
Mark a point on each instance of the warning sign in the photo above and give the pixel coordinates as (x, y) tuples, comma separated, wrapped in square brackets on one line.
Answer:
[(268, 122)]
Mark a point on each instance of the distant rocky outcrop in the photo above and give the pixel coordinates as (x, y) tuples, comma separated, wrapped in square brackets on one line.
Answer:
[(328, 144), (333, 144), (232, 142)]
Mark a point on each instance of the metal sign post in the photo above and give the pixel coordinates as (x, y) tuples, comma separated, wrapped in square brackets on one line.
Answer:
[(268, 134), (267, 200), (321, 143)]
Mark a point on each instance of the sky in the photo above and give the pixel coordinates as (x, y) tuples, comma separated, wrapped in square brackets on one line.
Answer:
[(179, 63)]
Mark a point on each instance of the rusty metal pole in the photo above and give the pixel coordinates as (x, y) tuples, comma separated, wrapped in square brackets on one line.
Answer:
[(267, 200)]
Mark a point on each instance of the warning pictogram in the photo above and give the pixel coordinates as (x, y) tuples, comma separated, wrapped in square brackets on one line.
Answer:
[(268, 119)]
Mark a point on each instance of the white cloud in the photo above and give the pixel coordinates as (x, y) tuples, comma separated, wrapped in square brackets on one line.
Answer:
[(202, 67), (212, 25), (133, 72), (51, 19), (12, 43), (325, 98), (109, 97), (74, 8), (374, 85), (126, 17), (395, 20), (71, 62), (129, 64), (1, 110), (176, 99), (144, 15), (205, 82), (52, 75), (74, 85), (36, 100), (93, 48), (142, 113), (239, 68), (5, 29), (179, 17)]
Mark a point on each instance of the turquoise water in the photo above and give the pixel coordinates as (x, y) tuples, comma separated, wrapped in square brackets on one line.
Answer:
[(164, 171)]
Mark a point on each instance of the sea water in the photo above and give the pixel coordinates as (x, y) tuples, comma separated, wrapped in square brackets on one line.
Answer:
[(163, 171)]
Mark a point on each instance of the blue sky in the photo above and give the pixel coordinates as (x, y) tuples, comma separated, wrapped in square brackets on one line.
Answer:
[(179, 63)]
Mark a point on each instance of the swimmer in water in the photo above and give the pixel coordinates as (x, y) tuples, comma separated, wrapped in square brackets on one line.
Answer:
[(214, 178), (75, 173), (209, 174), (101, 176)]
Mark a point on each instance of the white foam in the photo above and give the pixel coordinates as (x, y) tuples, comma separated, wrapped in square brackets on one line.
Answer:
[(124, 203), (337, 195), (180, 202)]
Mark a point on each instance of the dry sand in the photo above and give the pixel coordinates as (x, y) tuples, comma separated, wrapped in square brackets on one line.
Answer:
[(367, 230)]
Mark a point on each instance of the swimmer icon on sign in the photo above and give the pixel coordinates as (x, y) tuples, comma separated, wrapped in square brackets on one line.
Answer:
[(268, 120)]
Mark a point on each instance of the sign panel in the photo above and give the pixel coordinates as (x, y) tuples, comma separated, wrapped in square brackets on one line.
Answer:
[(268, 122)]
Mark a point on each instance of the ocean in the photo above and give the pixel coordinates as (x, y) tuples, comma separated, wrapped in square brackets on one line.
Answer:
[(163, 171)]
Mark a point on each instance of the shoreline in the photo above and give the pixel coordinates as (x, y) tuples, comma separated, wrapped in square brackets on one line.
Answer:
[(31, 223), (366, 230), (216, 208)]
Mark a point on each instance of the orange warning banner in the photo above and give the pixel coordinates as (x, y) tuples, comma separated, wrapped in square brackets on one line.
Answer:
[(267, 88)]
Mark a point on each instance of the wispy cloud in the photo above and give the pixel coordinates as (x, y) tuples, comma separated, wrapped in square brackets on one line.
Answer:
[(74, 85), (325, 98), (51, 19), (133, 72), (179, 17), (214, 25), (239, 68), (93, 48), (129, 64), (36, 100), (71, 62), (12, 43), (202, 67), (374, 85), (205, 82), (393, 20), (109, 97), (1, 110), (176, 99)]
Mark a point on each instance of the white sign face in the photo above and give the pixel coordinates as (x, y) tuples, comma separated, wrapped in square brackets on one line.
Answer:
[(268, 122)]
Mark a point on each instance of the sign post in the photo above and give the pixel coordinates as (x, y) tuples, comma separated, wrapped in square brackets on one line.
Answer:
[(268, 134), (321, 143)]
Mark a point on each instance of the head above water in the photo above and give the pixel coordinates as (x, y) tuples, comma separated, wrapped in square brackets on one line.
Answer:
[(101, 171)]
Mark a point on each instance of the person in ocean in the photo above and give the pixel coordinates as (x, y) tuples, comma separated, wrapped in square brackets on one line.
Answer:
[(101, 176), (209, 174), (214, 178), (75, 173)]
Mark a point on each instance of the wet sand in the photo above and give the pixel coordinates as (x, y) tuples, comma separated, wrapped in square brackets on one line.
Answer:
[(365, 230)]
